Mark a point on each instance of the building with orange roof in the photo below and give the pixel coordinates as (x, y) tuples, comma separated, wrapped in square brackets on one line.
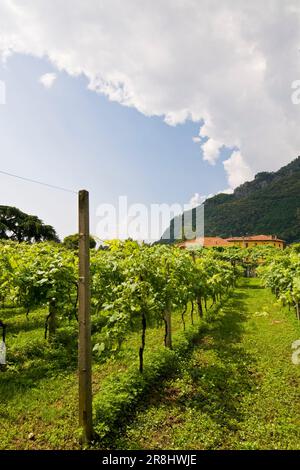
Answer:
[(242, 242)]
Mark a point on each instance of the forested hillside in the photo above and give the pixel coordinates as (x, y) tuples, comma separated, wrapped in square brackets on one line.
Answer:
[(268, 204)]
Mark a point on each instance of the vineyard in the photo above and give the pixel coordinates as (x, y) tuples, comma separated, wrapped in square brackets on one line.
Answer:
[(155, 310), (282, 275)]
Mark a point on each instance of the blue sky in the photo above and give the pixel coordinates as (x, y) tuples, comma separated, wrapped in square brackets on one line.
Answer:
[(225, 73), (70, 136)]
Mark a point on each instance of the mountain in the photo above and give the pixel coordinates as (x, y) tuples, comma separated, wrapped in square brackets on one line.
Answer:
[(270, 204)]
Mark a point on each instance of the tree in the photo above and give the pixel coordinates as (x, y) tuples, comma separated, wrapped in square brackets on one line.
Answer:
[(71, 242), (18, 226)]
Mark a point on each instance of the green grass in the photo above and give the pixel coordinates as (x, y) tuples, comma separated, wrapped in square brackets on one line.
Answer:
[(236, 389)]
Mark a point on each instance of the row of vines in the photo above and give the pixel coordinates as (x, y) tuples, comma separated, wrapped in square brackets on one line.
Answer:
[(281, 273), (279, 270), (133, 287)]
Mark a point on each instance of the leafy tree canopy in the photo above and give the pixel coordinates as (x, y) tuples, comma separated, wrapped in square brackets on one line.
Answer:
[(72, 242), (18, 226)]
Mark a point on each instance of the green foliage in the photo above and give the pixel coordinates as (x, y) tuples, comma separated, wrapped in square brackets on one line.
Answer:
[(132, 286), (71, 242), (282, 275), (18, 226), (39, 275), (296, 247)]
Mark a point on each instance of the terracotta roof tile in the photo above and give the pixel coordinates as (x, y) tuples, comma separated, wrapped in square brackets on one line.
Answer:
[(206, 242)]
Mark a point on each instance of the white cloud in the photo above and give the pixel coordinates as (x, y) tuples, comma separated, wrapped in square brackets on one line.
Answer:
[(48, 79), (237, 170), (211, 150), (229, 64)]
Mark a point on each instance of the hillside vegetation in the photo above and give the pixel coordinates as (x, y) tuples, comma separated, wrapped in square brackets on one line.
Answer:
[(270, 204)]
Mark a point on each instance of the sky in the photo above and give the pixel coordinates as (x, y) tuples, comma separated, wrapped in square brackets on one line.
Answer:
[(163, 102)]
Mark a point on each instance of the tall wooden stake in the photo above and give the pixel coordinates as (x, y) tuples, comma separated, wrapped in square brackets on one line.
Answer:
[(84, 343)]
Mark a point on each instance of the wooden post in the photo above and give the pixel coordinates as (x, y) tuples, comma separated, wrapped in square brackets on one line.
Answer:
[(84, 342)]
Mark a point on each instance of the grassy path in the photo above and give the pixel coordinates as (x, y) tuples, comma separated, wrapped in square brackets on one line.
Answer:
[(239, 389)]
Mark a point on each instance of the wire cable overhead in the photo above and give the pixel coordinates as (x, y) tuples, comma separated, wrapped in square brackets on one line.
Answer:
[(60, 188)]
